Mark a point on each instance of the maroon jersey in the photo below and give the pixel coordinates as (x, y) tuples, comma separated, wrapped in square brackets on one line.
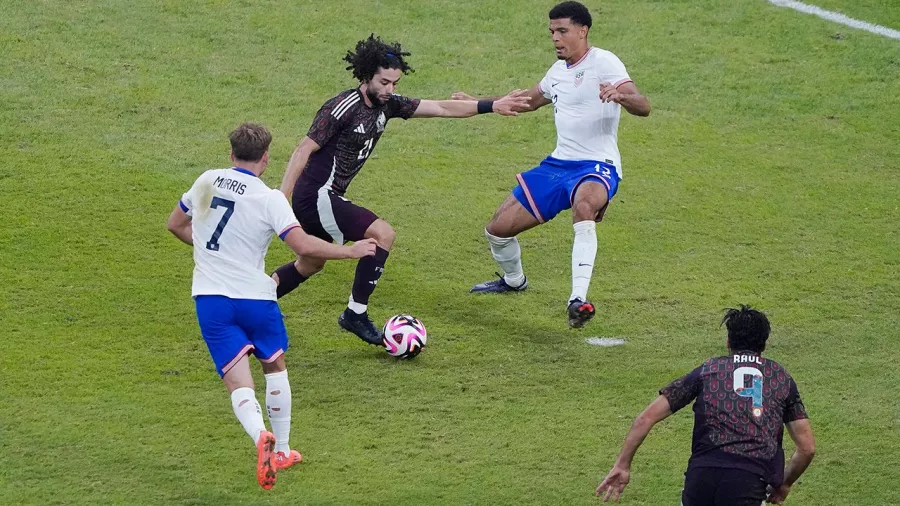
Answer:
[(742, 404), (347, 130)]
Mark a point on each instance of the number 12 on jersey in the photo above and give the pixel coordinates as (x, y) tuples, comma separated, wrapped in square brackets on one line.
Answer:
[(213, 243)]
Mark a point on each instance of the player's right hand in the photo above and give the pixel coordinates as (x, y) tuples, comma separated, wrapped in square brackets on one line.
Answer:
[(512, 104), (612, 486), (461, 95), (364, 248)]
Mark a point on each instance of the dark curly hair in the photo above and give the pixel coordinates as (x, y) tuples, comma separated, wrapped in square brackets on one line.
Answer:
[(373, 53), (748, 329), (577, 12)]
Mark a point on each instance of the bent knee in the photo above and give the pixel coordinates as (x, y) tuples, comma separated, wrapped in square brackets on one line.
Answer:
[(587, 210), (589, 207), (382, 232), (495, 229)]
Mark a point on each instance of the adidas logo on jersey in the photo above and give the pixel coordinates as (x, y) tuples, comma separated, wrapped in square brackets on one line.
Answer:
[(359, 129)]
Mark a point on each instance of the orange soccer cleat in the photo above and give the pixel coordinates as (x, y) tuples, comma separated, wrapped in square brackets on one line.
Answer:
[(283, 461), (265, 460)]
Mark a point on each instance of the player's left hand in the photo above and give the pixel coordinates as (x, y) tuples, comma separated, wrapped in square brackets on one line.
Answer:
[(777, 495), (612, 486), (363, 248), (609, 93), (512, 104)]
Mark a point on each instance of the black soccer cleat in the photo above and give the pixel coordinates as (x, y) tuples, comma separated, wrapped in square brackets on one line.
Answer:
[(498, 286), (580, 312), (362, 326)]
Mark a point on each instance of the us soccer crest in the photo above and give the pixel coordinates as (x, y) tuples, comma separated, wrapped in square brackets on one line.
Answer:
[(379, 124), (579, 78)]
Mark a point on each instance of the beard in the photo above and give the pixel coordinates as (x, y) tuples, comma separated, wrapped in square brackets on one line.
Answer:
[(373, 97)]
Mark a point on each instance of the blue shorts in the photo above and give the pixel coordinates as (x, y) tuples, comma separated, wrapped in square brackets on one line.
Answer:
[(234, 327), (550, 187)]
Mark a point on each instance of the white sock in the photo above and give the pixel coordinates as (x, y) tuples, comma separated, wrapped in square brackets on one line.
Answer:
[(584, 251), (278, 404), (248, 412), (507, 253), (356, 307)]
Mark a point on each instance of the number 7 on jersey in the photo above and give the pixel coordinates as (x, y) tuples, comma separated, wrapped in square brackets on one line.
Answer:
[(213, 243)]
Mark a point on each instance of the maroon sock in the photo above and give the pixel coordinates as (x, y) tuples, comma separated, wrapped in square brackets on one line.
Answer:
[(368, 270), (288, 279)]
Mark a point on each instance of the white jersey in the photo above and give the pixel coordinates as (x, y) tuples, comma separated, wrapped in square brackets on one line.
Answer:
[(586, 128), (234, 217)]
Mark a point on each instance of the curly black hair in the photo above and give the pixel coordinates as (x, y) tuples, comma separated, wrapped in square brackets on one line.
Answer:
[(577, 12), (748, 329), (373, 53)]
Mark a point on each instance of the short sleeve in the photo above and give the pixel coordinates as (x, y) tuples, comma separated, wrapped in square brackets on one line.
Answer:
[(280, 215), (190, 198), (793, 406), (682, 391), (402, 107), (544, 86), (330, 119), (610, 69)]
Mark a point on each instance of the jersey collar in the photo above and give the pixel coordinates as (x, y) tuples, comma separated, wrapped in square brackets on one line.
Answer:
[(586, 53), (244, 171), (363, 97)]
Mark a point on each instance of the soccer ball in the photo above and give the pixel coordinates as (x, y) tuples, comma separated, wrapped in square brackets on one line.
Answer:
[(404, 336)]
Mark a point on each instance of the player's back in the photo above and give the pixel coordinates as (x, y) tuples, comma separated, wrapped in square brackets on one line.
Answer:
[(234, 216), (740, 410)]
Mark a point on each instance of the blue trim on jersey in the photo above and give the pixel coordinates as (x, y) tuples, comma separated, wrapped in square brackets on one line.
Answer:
[(183, 207), (234, 327), (285, 233), (549, 188), (244, 171)]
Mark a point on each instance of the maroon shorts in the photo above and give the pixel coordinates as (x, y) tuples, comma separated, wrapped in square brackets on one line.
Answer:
[(719, 486), (331, 217)]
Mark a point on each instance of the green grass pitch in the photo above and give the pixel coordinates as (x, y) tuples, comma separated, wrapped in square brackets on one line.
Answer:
[(767, 174)]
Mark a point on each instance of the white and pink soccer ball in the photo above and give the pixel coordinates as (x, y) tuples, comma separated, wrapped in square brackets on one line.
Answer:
[(404, 336)]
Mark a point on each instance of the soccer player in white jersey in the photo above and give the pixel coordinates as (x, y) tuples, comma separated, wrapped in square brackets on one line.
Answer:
[(230, 216), (588, 87)]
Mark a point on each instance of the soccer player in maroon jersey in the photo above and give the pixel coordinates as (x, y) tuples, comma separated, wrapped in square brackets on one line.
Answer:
[(742, 402), (340, 140)]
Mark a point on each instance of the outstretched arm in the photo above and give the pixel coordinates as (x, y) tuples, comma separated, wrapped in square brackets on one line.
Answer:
[(304, 244), (620, 475), (535, 96), (510, 105), (298, 162)]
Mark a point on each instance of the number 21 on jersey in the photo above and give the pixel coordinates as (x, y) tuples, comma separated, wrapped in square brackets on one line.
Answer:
[(366, 149)]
